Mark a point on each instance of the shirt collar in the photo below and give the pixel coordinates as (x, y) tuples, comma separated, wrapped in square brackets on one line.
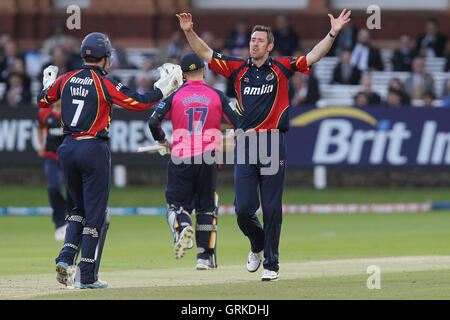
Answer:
[(195, 82), (268, 62), (96, 68)]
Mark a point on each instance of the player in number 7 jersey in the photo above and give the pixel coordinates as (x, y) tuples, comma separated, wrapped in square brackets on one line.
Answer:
[(87, 97)]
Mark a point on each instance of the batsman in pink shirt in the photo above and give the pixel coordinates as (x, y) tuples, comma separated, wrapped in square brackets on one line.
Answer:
[(196, 111)]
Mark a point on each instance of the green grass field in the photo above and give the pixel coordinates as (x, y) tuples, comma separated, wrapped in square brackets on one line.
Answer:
[(31, 195), (321, 256)]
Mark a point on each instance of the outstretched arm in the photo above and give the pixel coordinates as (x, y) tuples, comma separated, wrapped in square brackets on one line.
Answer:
[(322, 48), (196, 43)]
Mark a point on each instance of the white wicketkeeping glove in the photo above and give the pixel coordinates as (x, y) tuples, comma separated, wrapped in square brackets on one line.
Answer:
[(50, 74), (167, 147), (171, 78)]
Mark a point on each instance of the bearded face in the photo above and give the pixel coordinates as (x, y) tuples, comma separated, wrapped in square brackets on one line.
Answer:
[(259, 45)]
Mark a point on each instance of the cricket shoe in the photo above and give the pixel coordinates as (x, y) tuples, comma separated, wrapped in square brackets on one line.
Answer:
[(64, 274), (254, 261), (60, 233), (202, 264), (205, 264), (183, 242), (269, 275), (99, 284)]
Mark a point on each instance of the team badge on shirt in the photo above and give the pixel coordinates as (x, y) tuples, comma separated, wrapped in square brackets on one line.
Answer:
[(270, 76)]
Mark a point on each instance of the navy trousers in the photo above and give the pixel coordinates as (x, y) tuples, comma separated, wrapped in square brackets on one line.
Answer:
[(191, 186), (55, 182), (250, 185), (87, 169)]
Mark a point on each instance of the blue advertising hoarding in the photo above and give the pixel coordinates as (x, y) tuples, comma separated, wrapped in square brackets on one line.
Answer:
[(371, 136)]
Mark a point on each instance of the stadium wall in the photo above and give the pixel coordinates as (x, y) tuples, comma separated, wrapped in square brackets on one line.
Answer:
[(295, 177), (148, 23), (19, 162)]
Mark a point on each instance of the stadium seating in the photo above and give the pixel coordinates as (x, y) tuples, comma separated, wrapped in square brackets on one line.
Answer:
[(342, 95), (331, 94)]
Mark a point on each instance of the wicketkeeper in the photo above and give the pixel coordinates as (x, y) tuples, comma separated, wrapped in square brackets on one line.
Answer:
[(87, 98)]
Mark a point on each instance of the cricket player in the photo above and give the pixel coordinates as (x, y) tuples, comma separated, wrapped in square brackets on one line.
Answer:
[(50, 136), (196, 111), (261, 88), (87, 97)]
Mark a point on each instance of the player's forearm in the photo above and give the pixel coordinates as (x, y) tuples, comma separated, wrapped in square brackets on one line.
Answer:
[(42, 99), (199, 46), (40, 136), (320, 49), (156, 130)]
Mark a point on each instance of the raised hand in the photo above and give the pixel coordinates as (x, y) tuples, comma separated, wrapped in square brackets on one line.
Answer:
[(185, 20), (49, 76), (339, 22), (171, 78)]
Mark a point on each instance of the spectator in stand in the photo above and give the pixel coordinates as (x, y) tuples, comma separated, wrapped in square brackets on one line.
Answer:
[(447, 63), (19, 68), (344, 72), (403, 57), (303, 89), (366, 87), (212, 79), (345, 40), (212, 41), (173, 48), (446, 94), (58, 38), (238, 38), (432, 43), (119, 58), (286, 39), (59, 59), (73, 56), (419, 81), (16, 92), (428, 99), (11, 54), (148, 67), (394, 98), (361, 99), (174, 59), (396, 84), (176, 45), (144, 83), (365, 56), (4, 39)]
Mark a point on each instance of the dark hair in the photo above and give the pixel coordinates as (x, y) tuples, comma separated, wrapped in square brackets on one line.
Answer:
[(91, 59), (434, 21), (429, 94), (395, 91), (266, 29)]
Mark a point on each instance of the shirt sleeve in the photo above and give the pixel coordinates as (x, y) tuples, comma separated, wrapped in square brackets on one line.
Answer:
[(224, 65), (160, 112), (129, 99), (299, 64), (41, 117), (227, 111), (50, 95)]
